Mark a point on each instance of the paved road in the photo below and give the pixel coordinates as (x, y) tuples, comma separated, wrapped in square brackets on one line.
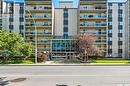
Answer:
[(69, 75)]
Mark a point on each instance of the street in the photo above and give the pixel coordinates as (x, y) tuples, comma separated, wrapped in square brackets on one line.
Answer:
[(68, 75)]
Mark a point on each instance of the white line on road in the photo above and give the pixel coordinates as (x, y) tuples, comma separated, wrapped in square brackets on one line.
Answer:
[(38, 75)]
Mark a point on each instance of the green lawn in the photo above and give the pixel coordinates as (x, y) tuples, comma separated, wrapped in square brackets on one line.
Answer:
[(15, 61), (111, 61)]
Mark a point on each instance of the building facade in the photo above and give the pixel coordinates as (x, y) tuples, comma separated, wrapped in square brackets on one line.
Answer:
[(65, 27), (38, 23), (13, 16), (107, 20)]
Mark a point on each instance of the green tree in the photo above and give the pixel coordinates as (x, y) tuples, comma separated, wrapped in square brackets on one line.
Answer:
[(13, 44)]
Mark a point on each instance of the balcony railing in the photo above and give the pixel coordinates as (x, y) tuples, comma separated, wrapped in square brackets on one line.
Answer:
[(37, 8), (38, 16), (93, 7), (96, 24), (93, 16), (31, 24), (38, 33)]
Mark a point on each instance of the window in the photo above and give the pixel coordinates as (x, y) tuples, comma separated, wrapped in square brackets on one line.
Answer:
[(120, 39), (109, 23), (109, 31), (109, 38), (11, 27), (109, 50), (120, 27), (109, 15), (21, 27), (120, 31), (109, 34), (110, 27), (119, 34), (21, 19), (109, 46), (65, 29), (120, 11), (109, 19), (120, 4), (120, 19), (119, 15), (120, 23), (65, 22), (109, 42), (119, 42), (109, 4), (109, 11), (11, 19), (120, 47), (119, 50)]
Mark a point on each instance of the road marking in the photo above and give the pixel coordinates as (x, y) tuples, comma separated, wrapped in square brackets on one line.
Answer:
[(38, 75)]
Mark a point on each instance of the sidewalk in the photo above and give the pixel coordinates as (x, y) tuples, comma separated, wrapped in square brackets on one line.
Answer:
[(51, 63)]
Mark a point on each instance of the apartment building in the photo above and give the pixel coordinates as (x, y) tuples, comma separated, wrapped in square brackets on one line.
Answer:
[(38, 23), (13, 16), (118, 32), (107, 20), (51, 29), (65, 27)]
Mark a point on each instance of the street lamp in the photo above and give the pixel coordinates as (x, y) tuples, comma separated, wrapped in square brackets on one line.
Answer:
[(35, 37)]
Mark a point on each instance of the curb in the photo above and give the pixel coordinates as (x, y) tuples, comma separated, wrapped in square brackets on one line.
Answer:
[(65, 65)]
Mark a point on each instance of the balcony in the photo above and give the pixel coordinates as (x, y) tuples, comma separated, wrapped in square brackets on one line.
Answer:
[(39, 16), (37, 11), (91, 7), (38, 24), (95, 32), (83, 16), (101, 40), (38, 7), (38, 2), (93, 24)]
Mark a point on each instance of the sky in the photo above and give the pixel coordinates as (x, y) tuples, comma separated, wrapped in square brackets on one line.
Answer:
[(15, 0), (56, 2), (75, 1)]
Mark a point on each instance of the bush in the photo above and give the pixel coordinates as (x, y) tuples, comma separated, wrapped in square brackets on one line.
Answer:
[(67, 61), (17, 60)]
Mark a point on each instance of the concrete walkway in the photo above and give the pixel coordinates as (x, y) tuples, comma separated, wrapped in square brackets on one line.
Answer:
[(51, 63)]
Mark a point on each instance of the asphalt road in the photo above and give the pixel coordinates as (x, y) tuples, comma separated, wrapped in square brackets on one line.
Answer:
[(68, 75)]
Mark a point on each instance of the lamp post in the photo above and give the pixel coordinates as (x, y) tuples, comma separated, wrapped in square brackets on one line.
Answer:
[(35, 37)]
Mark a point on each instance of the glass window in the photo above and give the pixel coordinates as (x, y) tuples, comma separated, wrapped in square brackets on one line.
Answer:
[(120, 11), (120, 19), (109, 31), (120, 27), (109, 38), (110, 27), (120, 4), (109, 4), (120, 31), (65, 22), (119, 38)]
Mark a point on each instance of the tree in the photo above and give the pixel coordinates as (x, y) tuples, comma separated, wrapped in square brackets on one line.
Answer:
[(14, 45), (85, 46)]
